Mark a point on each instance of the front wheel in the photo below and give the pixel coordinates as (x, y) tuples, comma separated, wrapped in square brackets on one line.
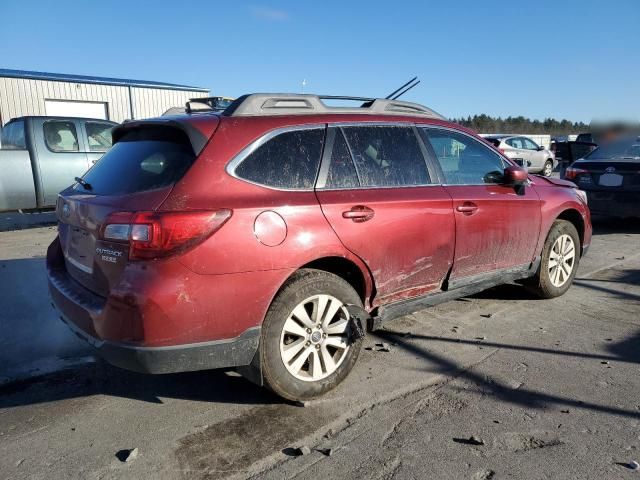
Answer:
[(559, 262), (547, 170), (306, 348)]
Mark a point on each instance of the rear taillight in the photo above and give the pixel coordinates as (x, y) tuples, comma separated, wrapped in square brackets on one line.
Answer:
[(572, 173), (502, 150), (160, 234)]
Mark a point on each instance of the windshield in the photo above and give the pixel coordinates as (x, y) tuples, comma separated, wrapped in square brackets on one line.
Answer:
[(623, 149)]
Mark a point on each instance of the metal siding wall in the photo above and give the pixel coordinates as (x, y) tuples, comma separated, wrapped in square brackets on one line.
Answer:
[(153, 102), (19, 97)]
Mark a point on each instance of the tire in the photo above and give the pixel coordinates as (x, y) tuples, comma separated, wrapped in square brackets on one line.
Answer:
[(547, 170), (552, 278), (299, 360)]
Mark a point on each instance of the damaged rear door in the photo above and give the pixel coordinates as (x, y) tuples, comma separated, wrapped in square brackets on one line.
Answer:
[(376, 191)]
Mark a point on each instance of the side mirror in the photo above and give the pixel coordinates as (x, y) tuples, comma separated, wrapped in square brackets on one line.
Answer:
[(515, 175), (540, 148)]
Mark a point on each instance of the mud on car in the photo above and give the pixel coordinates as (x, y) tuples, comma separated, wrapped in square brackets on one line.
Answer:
[(270, 236)]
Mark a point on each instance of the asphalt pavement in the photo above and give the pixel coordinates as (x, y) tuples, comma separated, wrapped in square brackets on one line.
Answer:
[(499, 385)]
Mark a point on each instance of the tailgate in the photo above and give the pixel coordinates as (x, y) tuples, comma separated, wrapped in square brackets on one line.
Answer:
[(136, 175), (91, 261)]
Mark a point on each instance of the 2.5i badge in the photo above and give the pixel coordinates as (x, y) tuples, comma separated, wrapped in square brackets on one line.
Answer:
[(108, 255)]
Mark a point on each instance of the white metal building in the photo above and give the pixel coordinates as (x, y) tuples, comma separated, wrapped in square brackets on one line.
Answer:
[(37, 93)]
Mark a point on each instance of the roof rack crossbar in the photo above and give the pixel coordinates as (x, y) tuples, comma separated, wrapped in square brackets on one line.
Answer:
[(263, 104), (346, 97)]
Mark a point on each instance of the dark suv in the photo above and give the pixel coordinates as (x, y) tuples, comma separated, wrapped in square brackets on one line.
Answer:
[(270, 236)]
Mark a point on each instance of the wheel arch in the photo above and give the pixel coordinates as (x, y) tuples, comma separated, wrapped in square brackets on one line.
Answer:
[(355, 275), (574, 217)]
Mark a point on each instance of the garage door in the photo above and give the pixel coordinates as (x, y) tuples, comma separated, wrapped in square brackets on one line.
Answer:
[(66, 108)]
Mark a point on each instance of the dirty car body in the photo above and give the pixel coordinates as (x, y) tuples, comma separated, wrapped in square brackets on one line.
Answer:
[(195, 229)]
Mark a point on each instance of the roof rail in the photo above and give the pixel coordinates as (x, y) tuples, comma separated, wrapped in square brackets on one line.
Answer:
[(262, 104)]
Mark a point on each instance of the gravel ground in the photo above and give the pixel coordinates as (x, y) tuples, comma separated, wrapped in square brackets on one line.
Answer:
[(498, 385)]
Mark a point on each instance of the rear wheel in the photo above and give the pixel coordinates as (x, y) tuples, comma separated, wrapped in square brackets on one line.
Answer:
[(306, 347), (547, 170), (559, 262)]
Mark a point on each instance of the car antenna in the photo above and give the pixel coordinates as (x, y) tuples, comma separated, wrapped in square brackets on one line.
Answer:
[(405, 90), (389, 97)]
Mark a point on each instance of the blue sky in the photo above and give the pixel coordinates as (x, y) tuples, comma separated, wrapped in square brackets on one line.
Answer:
[(565, 59)]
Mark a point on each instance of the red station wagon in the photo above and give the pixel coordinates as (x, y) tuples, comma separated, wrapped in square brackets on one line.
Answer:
[(270, 236)]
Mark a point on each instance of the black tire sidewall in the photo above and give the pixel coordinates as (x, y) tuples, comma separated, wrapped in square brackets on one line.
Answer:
[(302, 285)]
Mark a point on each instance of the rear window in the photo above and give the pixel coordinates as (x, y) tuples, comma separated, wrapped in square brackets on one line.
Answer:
[(627, 148), (143, 159)]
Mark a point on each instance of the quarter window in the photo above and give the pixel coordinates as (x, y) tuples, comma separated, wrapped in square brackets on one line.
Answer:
[(289, 160), (515, 143), (342, 172), (386, 156), (61, 136), (99, 136), (464, 160)]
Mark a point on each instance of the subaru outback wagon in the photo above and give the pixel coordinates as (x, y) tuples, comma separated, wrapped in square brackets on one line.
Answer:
[(272, 235)]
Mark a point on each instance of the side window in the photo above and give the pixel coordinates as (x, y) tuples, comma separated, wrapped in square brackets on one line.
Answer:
[(342, 172), (529, 145), (516, 143), (61, 136), (99, 136), (13, 136), (387, 156), (464, 160), (289, 160)]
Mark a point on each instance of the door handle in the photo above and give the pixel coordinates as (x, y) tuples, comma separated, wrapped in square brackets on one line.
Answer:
[(468, 208), (359, 214)]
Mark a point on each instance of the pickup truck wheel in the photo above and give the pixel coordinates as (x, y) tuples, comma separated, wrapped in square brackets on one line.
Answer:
[(306, 347), (559, 263), (547, 170)]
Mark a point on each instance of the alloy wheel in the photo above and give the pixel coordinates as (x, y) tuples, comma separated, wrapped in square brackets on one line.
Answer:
[(314, 340), (562, 258), (548, 169)]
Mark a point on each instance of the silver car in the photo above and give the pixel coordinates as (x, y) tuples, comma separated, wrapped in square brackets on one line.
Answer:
[(525, 152)]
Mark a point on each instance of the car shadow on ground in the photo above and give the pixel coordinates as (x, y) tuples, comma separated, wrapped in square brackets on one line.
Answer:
[(510, 291), (627, 276), (626, 351), (100, 378)]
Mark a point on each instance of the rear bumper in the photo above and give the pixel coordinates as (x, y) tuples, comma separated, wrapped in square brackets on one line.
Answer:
[(233, 352), (614, 204), (120, 330)]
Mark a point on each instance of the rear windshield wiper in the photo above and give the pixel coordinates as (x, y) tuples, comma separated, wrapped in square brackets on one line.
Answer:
[(84, 183)]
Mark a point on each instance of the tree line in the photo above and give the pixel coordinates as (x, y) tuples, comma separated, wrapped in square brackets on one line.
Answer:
[(521, 125)]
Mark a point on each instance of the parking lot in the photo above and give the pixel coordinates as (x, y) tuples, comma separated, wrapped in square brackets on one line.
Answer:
[(547, 388)]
